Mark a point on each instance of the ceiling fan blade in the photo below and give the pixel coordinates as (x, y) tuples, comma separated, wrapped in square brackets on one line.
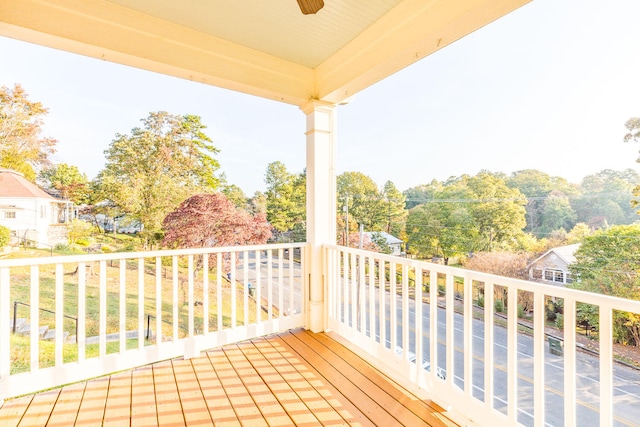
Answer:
[(310, 6)]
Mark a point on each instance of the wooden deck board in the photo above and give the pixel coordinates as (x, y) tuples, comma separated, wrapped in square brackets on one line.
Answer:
[(91, 411), (143, 406), (12, 411), (67, 405), (39, 410), (293, 378), (117, 411), (167, 399)]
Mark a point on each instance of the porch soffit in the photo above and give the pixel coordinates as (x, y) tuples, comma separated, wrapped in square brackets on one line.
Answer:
[(263, 48)]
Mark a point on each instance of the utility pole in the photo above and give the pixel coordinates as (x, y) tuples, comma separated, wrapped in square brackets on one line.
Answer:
[(346, 209)]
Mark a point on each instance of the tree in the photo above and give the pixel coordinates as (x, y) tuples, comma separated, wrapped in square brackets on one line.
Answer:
[(78, 230), (607, 262), (607, 195), (420, 194), (557, 213), (22, 147), (360, 194), (72, 184), (148, 173), (236, 195), (212, 220), (537, 186), (395, 213), (498, 210), (286, 198)]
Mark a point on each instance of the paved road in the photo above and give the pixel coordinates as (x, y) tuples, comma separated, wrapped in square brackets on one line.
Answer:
[(626, 380), (291, 274)]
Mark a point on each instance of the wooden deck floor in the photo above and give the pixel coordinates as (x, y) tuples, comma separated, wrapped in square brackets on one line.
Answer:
[(294, 378)]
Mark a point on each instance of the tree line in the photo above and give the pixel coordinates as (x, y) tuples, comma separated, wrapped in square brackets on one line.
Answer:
[(164, 173)]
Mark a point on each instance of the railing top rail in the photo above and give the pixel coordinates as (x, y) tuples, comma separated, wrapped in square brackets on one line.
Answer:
[(64, 259), (601, 300)]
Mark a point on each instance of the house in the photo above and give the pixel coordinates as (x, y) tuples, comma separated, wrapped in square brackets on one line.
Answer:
[(394, 244), (33, 216), (553, 266)]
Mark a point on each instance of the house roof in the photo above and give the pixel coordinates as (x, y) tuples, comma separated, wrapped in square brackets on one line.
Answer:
[(391, 240), (13, 184), (264, 48), (566, 253)]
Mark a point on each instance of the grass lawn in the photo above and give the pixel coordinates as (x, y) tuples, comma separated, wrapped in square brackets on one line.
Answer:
[(132, 273)]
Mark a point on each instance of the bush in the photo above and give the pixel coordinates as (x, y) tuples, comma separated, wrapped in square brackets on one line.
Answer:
[(5, 236), (520, 312), (480, 300), (560, 321), (498, 305)]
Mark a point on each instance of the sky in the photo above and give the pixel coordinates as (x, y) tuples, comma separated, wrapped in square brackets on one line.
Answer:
[(547, 87)]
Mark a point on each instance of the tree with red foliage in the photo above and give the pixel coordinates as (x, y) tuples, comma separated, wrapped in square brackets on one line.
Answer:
[(212, 220)]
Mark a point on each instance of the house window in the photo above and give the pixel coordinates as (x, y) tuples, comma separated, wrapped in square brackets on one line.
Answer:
[(9, 215), (554, 276), (536, 273)]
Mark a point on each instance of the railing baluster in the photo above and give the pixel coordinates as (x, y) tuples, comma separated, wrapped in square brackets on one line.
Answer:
[(174, 302), (468, 336), (245, 286), (605, 335), (190, 301), (512, 356), (34, 317), (269, 285), (433, 321), (361, 295), (122, 303), (103, 309), (81, 334), (258, 284), (158, 339), (405, 308), (5, 330), (419, 330), (281, 309), (569, 362), (393, 312), (219, 291), (234, 301), (372, 298), (205, 294), (59, 318), (140, 303), (383, 302), (291, 283), (449, 313), (539, 357), (488, 344)]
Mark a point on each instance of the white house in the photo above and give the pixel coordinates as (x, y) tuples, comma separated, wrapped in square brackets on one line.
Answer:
[(553, 266), (32, 215), (394, 244)]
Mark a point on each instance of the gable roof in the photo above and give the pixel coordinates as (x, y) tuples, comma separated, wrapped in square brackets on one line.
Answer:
[(391, 240), (13, 184), (566, 253)]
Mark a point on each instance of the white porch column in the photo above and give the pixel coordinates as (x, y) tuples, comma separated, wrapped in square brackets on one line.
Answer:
[(321, 202)]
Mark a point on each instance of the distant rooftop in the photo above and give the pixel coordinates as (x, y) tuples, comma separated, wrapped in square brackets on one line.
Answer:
[(14, 184)]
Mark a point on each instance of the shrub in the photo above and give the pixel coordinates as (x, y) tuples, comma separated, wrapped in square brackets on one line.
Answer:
[(520, 312), (560, 321), (498, 305), (5, 235), (480, 300)]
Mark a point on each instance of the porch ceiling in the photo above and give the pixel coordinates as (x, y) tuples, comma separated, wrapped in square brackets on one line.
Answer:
[(264, 48)]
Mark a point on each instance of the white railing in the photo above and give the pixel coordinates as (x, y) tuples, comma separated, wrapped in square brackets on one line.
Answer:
[(494, 368), (138, 308)]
